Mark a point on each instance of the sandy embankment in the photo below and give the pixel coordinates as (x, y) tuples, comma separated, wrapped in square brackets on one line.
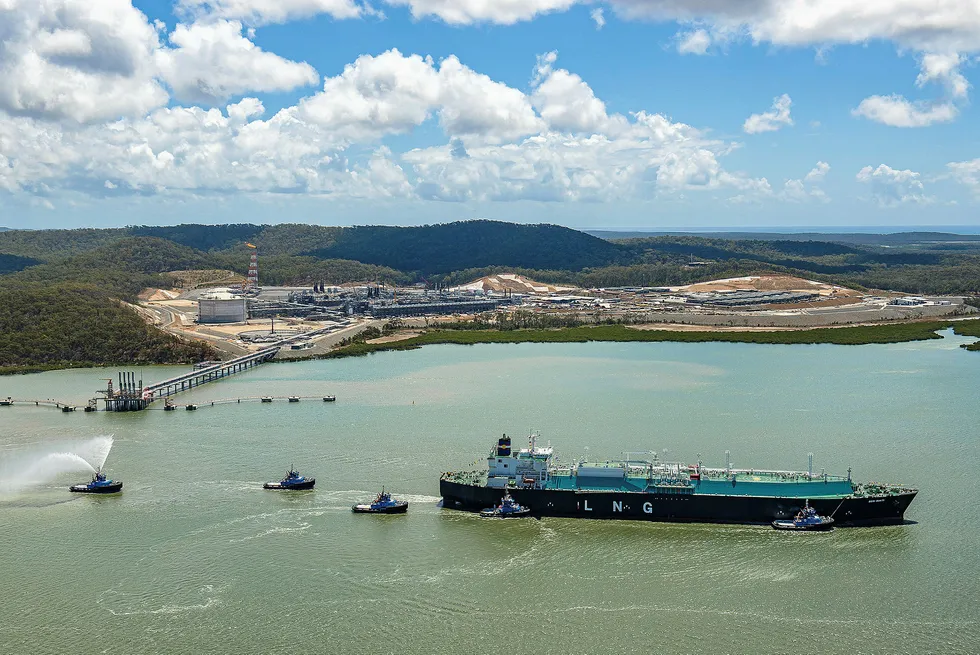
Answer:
[(397, 336)]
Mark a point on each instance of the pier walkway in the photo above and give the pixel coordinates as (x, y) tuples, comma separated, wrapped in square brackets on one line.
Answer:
[(201, 376)]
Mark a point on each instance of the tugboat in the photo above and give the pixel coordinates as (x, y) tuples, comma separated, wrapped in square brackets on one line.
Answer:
[(292, 482), (508, 508), (806, 520), (98, 485), (383, 504)]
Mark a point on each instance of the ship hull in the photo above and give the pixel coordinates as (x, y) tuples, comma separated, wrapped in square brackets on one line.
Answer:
[(115, 487), (300, 486), (700, 508), (399, 508)]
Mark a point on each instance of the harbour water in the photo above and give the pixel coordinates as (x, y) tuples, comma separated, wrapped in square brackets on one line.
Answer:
[(194, 556)]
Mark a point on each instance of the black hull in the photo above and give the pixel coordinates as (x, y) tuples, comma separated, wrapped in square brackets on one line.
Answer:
[(505, 515), (302, 486), (85, 489), (400, 508), (827, 524), (677, 507)]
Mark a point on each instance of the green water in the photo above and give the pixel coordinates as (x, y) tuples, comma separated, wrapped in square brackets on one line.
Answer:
[(194, 556)]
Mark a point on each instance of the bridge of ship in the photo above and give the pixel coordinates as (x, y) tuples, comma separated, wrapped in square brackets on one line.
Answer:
[(198, 377)]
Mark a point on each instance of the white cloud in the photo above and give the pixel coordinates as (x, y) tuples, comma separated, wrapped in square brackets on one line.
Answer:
[(891, 187), (771, 120), (394, 93), (598, 17), (802, 190), (966, 173), (564, 100), (77, 60), (465, 12), (818, 172), (944, 68), (212, 61), (258, 12), (652, 156), (472, 104), (695, 42), (926, 25), (896, 111)]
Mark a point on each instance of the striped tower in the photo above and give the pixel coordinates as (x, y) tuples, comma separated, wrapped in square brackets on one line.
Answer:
[(253, 269)]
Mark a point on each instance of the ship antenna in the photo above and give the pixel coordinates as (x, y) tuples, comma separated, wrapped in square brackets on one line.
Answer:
[(809, 461), (728, 462)]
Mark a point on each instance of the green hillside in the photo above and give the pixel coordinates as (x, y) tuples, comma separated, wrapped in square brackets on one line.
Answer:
[(44, 326)]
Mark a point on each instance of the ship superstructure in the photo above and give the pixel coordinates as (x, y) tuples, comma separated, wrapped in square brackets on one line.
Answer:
[(656, 489)]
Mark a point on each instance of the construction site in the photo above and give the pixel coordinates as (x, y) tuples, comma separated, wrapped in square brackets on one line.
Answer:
[(242, 318)]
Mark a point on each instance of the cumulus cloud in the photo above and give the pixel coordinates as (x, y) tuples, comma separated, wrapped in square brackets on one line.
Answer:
[(258, 12), (499, 147), (599, 18), (807, 188), (695, 42), (891, 187), (818, 172), (77, 60), (944, 68), (394, 93), (925, 25), (213, 61), (966, 173), (564, 100), (771, 120), (896, 111), (465, 12)]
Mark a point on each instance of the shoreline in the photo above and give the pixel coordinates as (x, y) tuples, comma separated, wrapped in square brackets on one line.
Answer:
[(837, 335), (859, 335)]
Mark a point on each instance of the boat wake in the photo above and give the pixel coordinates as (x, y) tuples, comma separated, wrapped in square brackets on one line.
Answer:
[(40, 465)]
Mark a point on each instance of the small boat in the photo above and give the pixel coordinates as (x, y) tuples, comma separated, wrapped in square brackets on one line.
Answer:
[(98, 485), (190, 407), (383, 504), (508, 508), (294, 399), (91, 408), (67, 408), (168, 405), (292, 482), (9, 401), (267, 399), (806, 520), (329, 399)]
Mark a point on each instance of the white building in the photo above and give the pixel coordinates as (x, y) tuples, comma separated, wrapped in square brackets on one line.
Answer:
[(221, 307)]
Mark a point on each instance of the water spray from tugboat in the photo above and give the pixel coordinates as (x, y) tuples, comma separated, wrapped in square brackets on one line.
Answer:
[(42, 464)]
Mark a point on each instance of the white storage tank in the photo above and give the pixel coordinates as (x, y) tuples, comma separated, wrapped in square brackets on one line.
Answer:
[(221, 307)]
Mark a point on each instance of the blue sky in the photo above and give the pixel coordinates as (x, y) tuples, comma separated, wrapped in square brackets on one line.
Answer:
[(697, 114)]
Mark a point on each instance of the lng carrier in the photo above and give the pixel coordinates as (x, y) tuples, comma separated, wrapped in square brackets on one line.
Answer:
[(656, 490)]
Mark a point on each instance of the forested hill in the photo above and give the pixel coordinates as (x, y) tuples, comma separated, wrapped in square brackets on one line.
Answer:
[(122, 259), (429, 249), (471, 244)]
